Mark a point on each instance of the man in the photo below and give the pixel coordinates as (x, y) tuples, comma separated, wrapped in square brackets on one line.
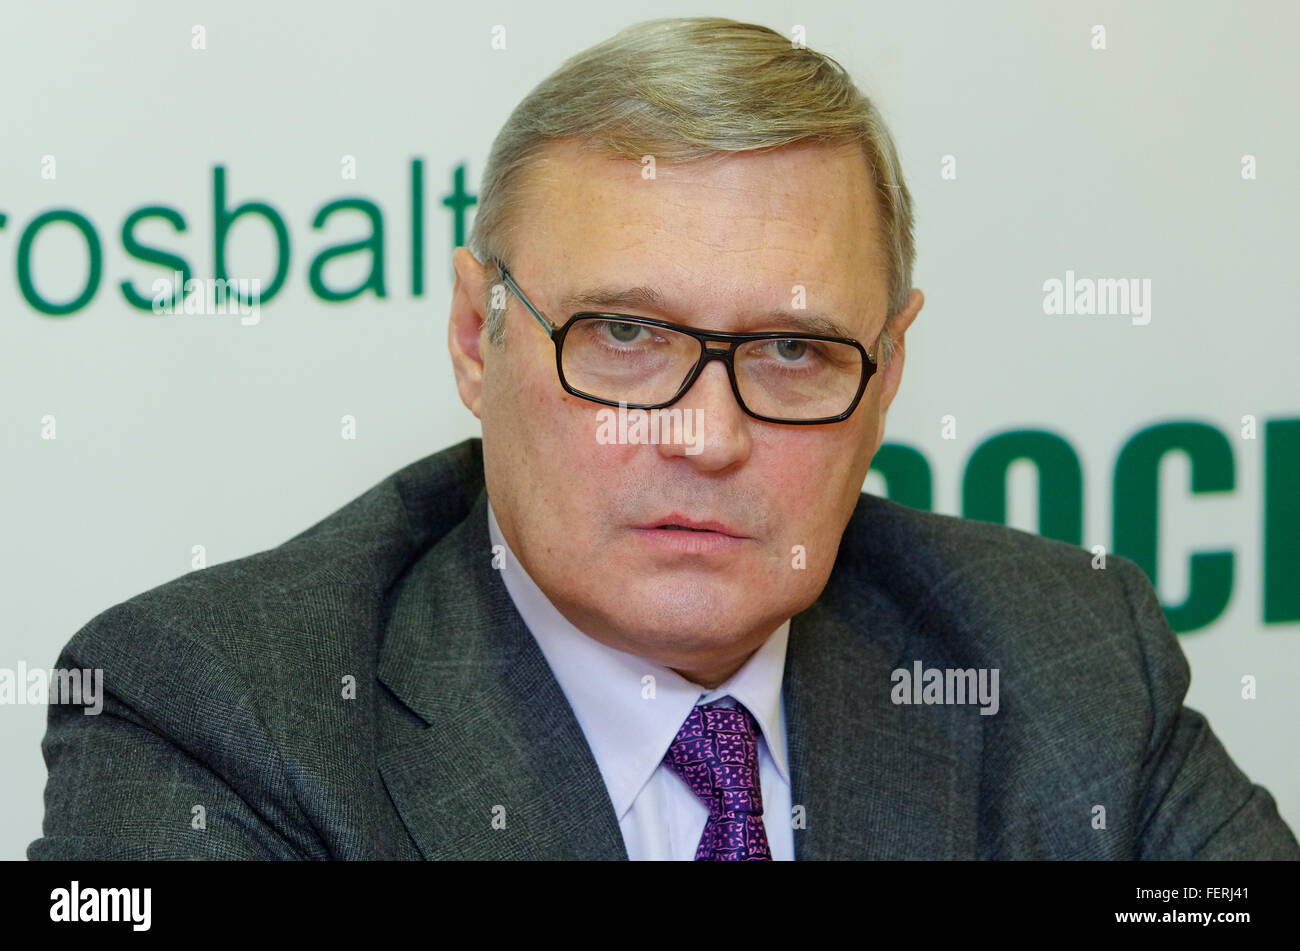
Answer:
[(650, 614)]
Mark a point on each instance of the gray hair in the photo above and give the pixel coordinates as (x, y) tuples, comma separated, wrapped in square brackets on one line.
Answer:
[(684, 90)]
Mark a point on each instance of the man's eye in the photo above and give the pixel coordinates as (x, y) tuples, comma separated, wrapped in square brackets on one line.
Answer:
[(623, 332), (791, 349)]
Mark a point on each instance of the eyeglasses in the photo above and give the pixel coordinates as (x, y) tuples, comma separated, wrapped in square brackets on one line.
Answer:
[(640, 363)]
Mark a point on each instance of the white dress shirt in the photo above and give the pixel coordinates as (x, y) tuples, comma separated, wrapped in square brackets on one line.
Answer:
[(630, 722)]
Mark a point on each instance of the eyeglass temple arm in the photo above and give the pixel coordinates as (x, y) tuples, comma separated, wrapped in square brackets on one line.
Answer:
[(549, 327)]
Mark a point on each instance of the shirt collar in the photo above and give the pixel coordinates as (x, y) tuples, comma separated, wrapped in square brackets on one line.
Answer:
[(631, 708)]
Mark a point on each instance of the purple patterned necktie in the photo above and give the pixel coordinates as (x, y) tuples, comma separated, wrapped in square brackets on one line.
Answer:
[(716, 754)]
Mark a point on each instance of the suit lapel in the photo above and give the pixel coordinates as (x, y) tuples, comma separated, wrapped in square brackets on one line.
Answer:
[(480, 750), (878, 781)]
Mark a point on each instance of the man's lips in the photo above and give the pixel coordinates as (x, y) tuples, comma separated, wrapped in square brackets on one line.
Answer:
[(675, 536), (683, 523)]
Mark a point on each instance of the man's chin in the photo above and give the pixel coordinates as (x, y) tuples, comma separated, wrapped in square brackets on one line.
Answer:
[(693, 651), (687, 622)]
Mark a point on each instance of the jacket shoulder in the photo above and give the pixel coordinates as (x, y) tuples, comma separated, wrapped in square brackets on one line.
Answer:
[(1067, 628), (913, 556)]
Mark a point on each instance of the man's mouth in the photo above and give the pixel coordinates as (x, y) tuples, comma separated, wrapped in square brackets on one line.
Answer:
[(675, 536), (676, 522)]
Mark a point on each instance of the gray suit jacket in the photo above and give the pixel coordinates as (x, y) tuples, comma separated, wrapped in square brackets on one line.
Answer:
[(225, 690)]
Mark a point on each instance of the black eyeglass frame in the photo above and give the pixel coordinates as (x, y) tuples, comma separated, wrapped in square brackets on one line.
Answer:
[(557, 333)]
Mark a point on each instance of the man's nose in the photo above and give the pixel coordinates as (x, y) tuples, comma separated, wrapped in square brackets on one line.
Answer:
[(715, 430)]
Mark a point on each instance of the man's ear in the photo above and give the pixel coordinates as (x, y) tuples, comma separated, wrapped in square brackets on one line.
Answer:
[(892, 374), (466, 332)]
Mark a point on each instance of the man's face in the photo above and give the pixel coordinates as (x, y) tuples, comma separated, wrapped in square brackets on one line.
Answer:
[(726, 245)]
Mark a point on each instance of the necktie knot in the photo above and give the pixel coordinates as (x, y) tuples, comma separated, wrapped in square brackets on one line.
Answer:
[(716, 754)]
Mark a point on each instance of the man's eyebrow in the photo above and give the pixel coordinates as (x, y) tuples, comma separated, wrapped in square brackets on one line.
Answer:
[(615, 300), (811, 323), (611, 298)]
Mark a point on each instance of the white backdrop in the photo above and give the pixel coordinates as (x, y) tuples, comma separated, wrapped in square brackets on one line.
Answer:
[(1128, 161)]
